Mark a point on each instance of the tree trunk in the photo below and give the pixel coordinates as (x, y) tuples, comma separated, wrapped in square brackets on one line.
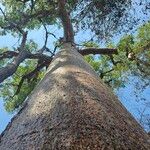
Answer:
[(72, 109)]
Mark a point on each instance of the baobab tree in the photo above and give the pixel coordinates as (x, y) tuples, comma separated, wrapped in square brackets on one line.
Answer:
[(70, 108)]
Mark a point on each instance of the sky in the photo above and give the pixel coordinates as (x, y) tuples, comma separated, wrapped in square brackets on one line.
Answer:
[(5, 117), (126, 95)]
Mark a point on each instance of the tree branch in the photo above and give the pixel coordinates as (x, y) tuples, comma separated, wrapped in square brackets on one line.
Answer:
[(40, 57), (13, 24), (65, 18), (104, 73), (20, 57), (8, 54), (112, 60), (95, 51), (11, 68), (29, 76), (23, 42), (11, 54), (108, 82)]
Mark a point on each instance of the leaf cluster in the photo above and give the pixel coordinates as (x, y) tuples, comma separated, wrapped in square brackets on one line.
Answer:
[(133, 59)]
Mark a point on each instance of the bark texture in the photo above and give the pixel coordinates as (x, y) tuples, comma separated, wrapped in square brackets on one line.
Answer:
[(72, 109)]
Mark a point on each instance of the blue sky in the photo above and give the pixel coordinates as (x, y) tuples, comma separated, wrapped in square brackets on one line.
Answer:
[(126, 95), (4, 116)]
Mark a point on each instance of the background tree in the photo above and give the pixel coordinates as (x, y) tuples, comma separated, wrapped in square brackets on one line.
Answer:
[(103, 18)]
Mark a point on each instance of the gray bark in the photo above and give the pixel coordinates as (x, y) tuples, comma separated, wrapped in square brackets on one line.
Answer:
[(72, 109), (11, 68)]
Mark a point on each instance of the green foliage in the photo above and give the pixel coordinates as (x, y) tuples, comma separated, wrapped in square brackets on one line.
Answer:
[(8, 90), (102, 17), (14, 95), (3, 62), (28, 15), (14, 102), (116, 72), (31, 46), (90, 44)]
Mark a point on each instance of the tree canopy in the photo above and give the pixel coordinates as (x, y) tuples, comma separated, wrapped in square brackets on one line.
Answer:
[(24, 65), (102, 17)]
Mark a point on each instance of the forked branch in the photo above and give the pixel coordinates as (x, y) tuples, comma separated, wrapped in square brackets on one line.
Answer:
[(29, 76), (11, 68)]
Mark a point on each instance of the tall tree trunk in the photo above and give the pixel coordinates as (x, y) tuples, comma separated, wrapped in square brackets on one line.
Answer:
[(72, 109)]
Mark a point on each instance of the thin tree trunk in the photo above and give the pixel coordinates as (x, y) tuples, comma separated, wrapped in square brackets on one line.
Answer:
[(72, 109)]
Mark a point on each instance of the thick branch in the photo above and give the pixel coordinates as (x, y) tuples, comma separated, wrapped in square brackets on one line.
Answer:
[(104, 73), (8, 54), (112, 60), (11, 54), (11, 68), (67, 25), (95, 51), (41, 57)]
